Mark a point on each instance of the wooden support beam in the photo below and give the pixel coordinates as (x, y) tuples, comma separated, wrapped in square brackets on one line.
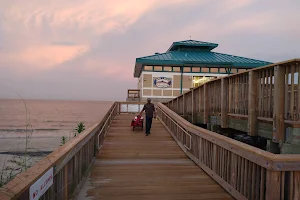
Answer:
[(193, 106), (177, 105), (200, 101), (206, 106), (224, 103), (279, 102), (183, 107), (252, 102)]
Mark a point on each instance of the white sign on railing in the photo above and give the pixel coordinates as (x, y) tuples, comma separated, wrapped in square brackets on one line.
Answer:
[(41, 185)]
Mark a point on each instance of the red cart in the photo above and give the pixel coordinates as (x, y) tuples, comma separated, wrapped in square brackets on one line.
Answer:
[(138, 121)]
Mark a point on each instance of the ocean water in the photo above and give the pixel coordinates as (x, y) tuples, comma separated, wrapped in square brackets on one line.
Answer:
[(47, 122), (48, 119)]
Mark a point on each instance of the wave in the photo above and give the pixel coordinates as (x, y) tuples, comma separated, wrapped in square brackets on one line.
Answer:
[(28, 130)]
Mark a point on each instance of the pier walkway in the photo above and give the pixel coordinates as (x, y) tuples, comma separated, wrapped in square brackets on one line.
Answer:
[(131, 165)]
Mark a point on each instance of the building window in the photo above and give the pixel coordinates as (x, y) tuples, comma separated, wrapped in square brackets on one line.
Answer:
[(158, 68), (187, 69), (167, 69), (204, 69), (214, 70), (176, 69), (148, 68), (222, 70), (195, 69)]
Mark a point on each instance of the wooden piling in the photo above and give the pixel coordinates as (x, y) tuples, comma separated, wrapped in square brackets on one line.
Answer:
[(252, 103), (224, 103), (279, 102)]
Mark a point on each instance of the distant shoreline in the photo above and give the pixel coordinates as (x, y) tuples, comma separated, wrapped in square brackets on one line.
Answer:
[(73, 100)]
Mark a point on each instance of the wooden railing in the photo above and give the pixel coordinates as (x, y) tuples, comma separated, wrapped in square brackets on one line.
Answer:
[(133, 93), (269, 94), (130, 107), (244, 171), (70, 162)]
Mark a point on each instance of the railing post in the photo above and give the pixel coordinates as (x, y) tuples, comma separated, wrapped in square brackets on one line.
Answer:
[(233, 170), (206, 107), (273, 185), (200, 100), (279, 100), (295, 179), (65, 185), (183, 107), (192, 106), (224, 102), (177, 105), (252, 103), (215, 157)]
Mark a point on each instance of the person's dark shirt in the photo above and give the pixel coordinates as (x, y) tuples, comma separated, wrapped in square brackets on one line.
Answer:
[(149, 109)]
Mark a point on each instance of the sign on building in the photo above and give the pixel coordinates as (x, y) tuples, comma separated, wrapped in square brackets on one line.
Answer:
[(41, 185), (162, 82)]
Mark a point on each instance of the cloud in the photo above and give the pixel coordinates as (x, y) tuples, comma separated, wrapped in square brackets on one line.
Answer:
[(58, 46), (35, 27), (46, 56)]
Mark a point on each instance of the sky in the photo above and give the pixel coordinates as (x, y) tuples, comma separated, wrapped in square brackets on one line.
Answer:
[(86, 49)]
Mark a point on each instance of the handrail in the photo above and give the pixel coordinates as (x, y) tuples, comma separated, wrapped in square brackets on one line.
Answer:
[(268, 94), (104, 126), (70, 162), (244, 171), (232, 145), (127, 104), (187, 147)]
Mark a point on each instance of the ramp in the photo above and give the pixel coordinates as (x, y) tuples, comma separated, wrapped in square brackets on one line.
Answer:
[(132, 166)]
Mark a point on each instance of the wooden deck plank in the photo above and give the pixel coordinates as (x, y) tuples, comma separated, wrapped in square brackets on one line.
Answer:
[(131, 165)]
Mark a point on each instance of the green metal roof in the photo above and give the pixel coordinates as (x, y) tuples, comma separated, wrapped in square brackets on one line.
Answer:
[(192, 44), (189, 56)]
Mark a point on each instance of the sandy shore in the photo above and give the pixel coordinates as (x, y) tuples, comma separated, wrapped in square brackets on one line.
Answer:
[(13, 148), (12, 155)]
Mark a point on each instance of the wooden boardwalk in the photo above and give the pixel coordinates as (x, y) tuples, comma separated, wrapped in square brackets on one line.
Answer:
[(131, 165)]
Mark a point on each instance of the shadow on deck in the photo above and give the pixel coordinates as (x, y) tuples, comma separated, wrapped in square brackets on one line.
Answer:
[(131, 165)]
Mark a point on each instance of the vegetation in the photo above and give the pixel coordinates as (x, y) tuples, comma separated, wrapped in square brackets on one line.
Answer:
[(14, 166), (18, 164), (63, 140), (79, 128)]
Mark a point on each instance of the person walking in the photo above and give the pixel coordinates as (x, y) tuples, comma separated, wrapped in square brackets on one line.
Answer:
[(150, 113)]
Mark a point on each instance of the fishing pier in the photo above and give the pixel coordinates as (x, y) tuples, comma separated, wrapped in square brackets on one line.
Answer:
[(189, 153)]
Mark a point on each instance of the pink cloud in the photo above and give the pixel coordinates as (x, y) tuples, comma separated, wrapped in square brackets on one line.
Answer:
[(46, 56), (81, 21)]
